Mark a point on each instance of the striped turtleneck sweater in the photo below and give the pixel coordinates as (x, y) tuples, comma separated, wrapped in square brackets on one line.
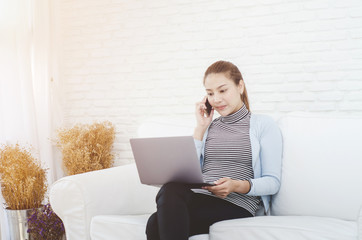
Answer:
[(228, 154)]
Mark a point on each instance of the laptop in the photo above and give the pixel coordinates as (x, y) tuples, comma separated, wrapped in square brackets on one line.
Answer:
[(167, 159)]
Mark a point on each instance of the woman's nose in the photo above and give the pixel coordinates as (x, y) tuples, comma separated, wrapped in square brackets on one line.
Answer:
[(217, 98)]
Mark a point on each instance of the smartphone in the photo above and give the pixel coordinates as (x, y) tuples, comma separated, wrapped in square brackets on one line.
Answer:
[(208, 107)]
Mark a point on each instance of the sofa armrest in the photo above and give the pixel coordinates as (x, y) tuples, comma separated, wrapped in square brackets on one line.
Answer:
[(114, 191)]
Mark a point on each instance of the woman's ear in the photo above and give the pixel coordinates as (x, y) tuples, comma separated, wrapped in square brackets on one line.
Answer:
[(241, 86)]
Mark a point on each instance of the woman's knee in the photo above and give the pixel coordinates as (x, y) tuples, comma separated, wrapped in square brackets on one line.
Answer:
[(171, 192)]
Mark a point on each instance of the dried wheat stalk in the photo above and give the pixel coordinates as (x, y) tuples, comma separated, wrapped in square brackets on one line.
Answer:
[(87, 147), (23, 180)]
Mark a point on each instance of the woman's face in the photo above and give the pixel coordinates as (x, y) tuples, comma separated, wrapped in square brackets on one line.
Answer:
[(223, 94)]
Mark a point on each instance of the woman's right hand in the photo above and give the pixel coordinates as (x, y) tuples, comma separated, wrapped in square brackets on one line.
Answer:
[(203, 120)]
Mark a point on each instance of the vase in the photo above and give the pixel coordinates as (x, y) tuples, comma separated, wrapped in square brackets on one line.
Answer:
[(18, 223)]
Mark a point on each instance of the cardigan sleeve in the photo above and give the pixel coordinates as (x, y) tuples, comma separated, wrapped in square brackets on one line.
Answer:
[(199, 147), (270, 156)]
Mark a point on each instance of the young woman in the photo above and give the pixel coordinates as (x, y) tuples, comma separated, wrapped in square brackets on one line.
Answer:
[(239, 151)]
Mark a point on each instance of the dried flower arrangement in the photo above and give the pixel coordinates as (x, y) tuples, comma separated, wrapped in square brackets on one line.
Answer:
[(23, 180), (87, 147), (44, 224)]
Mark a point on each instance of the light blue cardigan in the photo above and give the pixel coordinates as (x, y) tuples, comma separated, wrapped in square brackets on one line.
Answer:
[(266, 147)]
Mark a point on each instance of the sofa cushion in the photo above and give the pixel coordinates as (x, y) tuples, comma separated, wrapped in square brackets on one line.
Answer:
[(321, 172), (130, 227), (284, 228)]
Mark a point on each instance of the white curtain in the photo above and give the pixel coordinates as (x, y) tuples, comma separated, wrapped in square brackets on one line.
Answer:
[(28, 97)]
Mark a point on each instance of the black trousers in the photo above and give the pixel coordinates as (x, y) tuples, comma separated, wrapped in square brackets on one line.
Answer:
[(181, 213)]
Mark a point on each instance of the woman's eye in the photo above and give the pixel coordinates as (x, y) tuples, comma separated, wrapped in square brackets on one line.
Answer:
[(224, 90), (209, 94)]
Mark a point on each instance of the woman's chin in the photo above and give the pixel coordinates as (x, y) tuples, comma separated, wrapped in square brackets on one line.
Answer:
[(222, 113)]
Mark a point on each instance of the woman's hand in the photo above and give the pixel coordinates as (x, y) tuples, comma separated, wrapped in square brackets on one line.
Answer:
[(225, 186), (203, 121)]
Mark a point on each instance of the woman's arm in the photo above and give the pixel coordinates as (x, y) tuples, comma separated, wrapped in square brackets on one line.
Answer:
[(270, 155), (202, 121)]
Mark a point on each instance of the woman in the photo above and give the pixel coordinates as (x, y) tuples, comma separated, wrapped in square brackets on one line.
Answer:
[(239, 152)]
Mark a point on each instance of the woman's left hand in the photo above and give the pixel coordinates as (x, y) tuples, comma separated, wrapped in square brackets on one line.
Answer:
[(224, 186)]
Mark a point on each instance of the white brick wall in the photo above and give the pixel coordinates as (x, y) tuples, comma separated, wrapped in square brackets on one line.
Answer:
[(126, 61)]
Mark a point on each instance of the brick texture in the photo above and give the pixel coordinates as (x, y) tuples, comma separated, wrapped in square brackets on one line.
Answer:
[(127, 61)]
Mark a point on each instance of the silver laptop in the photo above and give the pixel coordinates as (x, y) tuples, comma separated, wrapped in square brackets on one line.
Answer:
[(167, 159)]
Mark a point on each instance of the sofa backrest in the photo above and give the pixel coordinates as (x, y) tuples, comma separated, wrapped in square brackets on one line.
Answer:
[(322, 167)]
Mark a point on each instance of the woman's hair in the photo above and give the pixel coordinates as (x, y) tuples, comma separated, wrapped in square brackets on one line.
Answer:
[(232, 72)]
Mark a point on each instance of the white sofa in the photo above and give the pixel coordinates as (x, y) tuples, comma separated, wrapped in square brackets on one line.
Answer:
[(320, 195)]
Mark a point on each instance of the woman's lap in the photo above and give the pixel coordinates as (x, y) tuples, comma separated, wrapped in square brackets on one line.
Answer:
[(197, 211)]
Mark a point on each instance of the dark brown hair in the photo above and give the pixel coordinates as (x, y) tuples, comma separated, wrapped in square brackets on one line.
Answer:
[(232, 72)]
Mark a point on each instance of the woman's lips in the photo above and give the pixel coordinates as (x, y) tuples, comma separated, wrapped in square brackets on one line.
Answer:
[(221, 107)]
